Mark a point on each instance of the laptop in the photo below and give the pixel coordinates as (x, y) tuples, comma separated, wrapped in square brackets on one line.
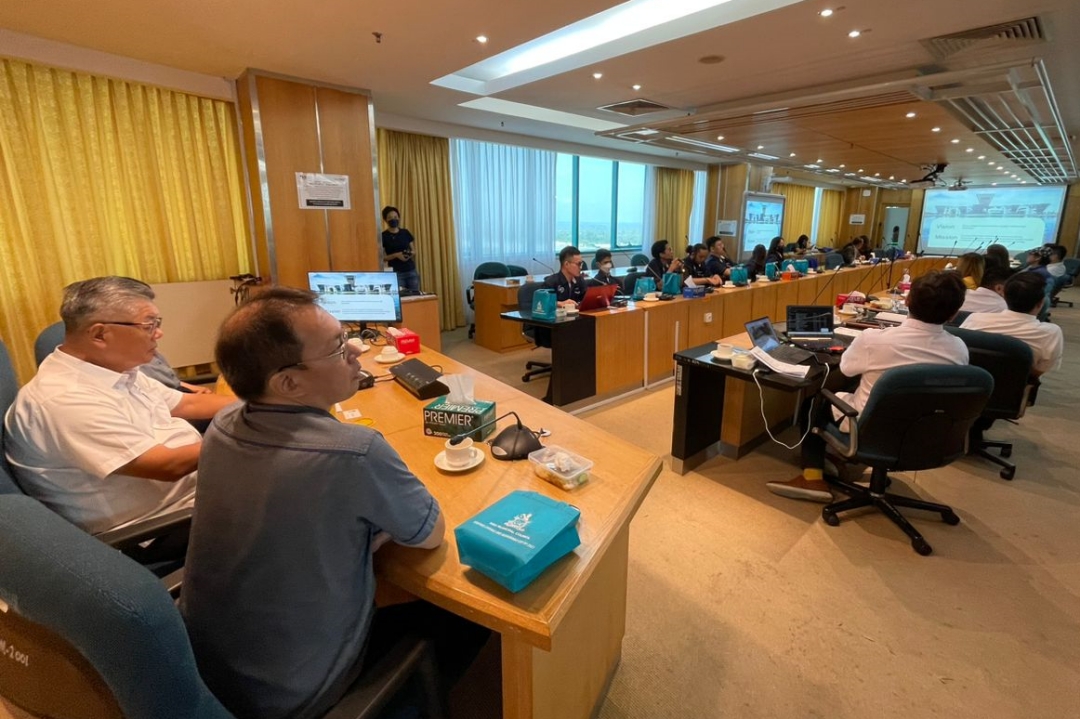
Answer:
[(597, 297), (810, 326), (764, 337)]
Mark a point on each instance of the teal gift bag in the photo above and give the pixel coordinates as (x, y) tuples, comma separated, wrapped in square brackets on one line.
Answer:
[(643, 286), (672, 283), (544, 303), (739, 276), (771, 271), (518, 537)]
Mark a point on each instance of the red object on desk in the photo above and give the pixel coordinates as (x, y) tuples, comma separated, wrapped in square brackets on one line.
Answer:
[(406, 341)]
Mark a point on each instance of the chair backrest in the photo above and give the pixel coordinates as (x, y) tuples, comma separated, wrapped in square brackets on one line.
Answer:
[(629, 280), (1009, 362), (1021, 256), (1072, 267), (959, 319), (639, 260), (491, 271), (50, 338), (9, 387), (517, 271), (833, 260), (71, 595), (918, 416)]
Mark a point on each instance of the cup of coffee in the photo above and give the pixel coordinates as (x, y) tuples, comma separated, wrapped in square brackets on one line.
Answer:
[(650, 296), (724, 350), (459, 455), (389, 351)]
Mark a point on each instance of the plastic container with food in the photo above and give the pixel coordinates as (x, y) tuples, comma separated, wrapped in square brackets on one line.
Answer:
[(561, 467)]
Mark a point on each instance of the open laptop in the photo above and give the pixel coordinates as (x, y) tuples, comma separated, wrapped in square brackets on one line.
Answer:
[(597, 297), (764, 337), (810, 326)]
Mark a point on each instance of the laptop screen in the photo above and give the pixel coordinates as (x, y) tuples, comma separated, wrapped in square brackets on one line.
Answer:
[(762, 334), (809, 320)]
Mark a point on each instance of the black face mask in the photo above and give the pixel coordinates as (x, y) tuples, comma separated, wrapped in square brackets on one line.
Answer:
[(393, 223)]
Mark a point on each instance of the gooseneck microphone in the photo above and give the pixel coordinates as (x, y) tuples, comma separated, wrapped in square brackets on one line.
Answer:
[(547, 267), (828, 282)]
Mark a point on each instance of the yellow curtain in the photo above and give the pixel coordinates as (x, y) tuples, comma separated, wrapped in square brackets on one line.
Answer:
[(798, 210), (414, 176), (828, 227), (101, 176), (674, 201)]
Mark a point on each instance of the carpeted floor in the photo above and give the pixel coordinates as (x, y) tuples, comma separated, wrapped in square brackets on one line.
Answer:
[(744, 604)]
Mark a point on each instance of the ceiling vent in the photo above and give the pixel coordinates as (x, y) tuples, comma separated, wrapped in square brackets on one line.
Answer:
[(993, 38), (636, 107)]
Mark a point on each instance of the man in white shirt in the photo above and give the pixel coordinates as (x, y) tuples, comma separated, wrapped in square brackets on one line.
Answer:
[(934, 299), (1025, 294), (1056, 266), (989, 296), (92, 437)]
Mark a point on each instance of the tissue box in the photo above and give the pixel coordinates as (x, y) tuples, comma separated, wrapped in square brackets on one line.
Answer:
[(406, 341), (695, 291), (514, 540), (444, 419)]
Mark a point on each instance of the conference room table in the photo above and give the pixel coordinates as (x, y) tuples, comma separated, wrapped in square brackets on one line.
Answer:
[(561, 636)]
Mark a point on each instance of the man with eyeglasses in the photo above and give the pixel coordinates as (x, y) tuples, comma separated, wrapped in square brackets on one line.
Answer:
[(90, 436), (279, 583)]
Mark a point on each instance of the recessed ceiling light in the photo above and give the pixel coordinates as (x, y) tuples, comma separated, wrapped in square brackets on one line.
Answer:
[(982, 157), (481, 39), (761, 147), (892, 177), (819, 160), (935, 129), (854, 33), (1023, 182), (792, 155), (904, 180), (877, 174), (993, 184), (843, 165), (970, 149), (990, 163), (638, 87), (999, 166), (954, 141), (719, 137), (859, 170), (910, 115), (597, 75), (827, 12)]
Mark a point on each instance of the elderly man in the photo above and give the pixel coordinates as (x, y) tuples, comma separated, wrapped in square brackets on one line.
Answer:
[(92, 437)]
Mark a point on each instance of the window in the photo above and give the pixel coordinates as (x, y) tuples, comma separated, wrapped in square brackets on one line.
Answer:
[(599, 203)]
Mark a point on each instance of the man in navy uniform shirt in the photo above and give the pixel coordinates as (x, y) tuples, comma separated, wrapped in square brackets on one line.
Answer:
[(717, 263), (567, 283)]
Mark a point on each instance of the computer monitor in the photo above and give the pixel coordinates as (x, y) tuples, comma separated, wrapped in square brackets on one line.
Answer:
[(358, 296)]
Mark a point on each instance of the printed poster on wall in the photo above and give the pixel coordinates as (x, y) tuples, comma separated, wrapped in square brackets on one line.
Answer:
[(857, 220), (317, 191)]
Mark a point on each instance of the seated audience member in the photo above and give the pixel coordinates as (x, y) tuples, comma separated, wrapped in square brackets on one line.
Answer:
[(1025, 294), (756, 264), (999, 255), (567, 282), (697, 270), (802, 245), (662, 261), (1037, 261), (279, 589), (852, 252), (970, 267), (605, 266), (1056, 265), (92, 437), (775, 252), (717, 262), (934, 299), (989, 296)]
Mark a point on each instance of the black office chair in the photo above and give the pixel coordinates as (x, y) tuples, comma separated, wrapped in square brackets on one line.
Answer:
[(1009, 362), (917, 417), (833, 260), (629, 280), (485, 271), (958, 320), (91, 633), (48, 340), (517, 271), (539, 336), (639, 260)]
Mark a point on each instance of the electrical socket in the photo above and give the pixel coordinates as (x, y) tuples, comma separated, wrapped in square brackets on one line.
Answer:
[(708, 318)]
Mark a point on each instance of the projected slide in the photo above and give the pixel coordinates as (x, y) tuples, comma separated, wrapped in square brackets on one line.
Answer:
[(1018, 217), (358, 296), (762, 218)]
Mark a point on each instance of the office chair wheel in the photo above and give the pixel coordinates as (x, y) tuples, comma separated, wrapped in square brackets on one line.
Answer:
[(830, 518), (921, 546), (1007, 473), (950, 518), (1006, 452), (525, 378)]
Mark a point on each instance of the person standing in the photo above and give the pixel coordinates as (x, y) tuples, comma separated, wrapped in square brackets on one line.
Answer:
[(397, 245)]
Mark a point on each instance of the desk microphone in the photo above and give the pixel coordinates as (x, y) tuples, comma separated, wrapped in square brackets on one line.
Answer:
[(514, 442), (950, 252), (546, 267), (827, 283), (880, 271)]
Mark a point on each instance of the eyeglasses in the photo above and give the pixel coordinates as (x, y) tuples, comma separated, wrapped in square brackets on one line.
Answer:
[(150, 326), (339, 354)]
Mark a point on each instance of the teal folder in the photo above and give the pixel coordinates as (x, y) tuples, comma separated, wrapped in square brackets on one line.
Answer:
[(514, 540)]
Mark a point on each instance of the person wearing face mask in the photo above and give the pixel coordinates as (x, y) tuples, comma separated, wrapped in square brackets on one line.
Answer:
[(397, 245), (605, 264)]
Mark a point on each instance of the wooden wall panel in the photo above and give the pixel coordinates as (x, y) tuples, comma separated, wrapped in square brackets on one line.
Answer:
[(620, 350), (706, 318), (668, 333), (738, 309)]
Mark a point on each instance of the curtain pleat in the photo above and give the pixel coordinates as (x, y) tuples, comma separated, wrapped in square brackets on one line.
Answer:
[(674, 203), (102, 176), (798, 210), (414, 176), (828, 229)]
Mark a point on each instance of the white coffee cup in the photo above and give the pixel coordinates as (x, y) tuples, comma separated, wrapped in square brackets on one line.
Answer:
[(458, 455), (724, 350), (389, 351), (652, 296)]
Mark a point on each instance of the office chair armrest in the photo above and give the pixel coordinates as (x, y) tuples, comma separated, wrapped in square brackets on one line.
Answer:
[(136, 533), (173, 582), (845, 450), (846, 409)]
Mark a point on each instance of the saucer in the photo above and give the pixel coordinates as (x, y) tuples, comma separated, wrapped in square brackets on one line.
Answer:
[(477, 460), (383, 359), (648, 300), (716, 355), (360, 345)]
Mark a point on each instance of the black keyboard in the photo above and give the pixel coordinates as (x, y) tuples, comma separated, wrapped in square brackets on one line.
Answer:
[(789, 354)]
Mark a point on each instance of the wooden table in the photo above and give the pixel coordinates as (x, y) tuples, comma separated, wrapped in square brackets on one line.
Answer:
[(562, 635)]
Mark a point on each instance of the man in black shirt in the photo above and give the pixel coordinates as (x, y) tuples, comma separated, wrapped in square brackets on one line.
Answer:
[(567, 283), (604, 264), (717, 262), (397, 245), (697, 268), (662, 261)]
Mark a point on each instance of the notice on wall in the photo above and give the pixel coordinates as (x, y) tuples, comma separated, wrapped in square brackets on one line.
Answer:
[(857, 220), (727, 228), (317, 191)]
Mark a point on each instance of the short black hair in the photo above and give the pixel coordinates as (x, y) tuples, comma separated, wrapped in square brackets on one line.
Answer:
[(1025, 291), (566, 253), (658, 248), (258, 339), (712, 241), (994, 275), (388, 209), (936, 297), (1000, 254), (803, 241), (777, 244), (602, 255), (1060, 251), (700, 246)]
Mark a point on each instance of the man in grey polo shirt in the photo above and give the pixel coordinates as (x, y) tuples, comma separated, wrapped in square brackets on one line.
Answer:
[(279, 588)]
